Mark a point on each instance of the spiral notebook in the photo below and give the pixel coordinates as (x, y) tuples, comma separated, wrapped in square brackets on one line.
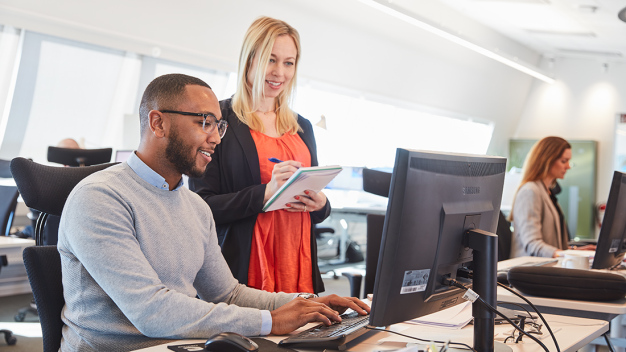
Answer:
[(313, 178)]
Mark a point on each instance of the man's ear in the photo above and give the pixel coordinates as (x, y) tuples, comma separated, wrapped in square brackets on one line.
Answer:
[(156, 123)]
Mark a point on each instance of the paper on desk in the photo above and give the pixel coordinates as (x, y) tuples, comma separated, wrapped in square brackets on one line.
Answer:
[(452, 318)]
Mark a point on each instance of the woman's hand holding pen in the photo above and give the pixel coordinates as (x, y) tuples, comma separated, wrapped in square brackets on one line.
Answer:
[(281, 173)]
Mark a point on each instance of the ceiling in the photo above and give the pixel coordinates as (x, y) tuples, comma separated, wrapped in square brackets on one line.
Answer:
[(555, 28)]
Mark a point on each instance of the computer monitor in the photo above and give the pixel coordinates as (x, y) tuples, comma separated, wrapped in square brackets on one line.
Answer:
[(611, 245), (442, 213)]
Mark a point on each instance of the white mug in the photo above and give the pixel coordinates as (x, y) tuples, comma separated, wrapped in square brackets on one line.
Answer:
[(575, 261)]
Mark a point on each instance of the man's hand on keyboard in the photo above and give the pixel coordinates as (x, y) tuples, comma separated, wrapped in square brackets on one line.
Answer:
[(340, 304), (301, 311)]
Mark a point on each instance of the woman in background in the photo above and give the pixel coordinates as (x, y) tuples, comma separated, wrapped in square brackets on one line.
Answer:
[(538, 222), (273, 251)]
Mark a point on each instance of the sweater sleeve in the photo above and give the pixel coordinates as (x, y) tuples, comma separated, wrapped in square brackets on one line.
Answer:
[(115, 274), (527, 219)]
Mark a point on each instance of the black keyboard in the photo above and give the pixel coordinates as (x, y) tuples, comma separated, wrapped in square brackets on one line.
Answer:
[(335, 336)]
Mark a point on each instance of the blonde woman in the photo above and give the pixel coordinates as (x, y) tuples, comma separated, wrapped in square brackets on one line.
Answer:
[(273, 251), (539, 225)]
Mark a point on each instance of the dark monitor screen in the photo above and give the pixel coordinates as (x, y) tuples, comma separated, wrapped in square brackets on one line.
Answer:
[(434, 198), (611, 245)]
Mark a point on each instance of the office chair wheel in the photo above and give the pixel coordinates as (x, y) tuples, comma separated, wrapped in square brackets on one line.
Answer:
[(19, 317), (8, 336)]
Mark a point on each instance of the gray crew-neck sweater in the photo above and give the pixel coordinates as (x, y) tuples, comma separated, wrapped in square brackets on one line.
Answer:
[(134, 257)]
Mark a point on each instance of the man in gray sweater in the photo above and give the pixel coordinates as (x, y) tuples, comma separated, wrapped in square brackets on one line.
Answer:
[(137, 248)]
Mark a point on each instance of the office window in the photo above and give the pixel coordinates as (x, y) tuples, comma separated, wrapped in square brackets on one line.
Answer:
[(67, 89), (363, 132)]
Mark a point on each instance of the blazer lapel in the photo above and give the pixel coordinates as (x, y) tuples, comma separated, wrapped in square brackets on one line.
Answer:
[(555, 214), (243, 136)]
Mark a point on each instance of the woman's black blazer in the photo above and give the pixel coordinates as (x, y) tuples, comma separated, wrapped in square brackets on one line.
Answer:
[(232, 187)]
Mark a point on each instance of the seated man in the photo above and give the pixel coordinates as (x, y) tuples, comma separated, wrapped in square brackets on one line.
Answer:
[(137, 247)]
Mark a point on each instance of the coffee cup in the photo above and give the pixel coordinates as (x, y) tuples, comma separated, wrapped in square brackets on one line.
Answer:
[(575, 261)]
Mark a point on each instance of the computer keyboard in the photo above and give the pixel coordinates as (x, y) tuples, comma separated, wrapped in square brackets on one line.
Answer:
[(335, 336)]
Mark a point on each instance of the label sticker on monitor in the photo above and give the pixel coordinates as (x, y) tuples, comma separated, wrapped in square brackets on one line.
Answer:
[(414, 281), (614, 245)]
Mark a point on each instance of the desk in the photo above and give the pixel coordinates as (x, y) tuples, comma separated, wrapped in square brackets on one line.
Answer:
[(13, 279), (606, 310), (585, 309), (571, 333)]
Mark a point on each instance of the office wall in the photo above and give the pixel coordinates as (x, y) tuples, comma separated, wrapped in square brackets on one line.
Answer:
[(582, 105), (345, 43)]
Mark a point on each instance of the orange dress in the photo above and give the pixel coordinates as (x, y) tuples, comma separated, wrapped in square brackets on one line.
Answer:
[(280, 257)]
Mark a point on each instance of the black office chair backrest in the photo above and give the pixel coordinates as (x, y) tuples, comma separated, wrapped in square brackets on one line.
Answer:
[(46, 188), (504, 237), (79, 157), (43, 266), (376, 182), (8, 203)]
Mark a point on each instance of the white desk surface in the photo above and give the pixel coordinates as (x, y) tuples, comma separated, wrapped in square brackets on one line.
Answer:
[(610, 307), (11, 242), (571, 333)]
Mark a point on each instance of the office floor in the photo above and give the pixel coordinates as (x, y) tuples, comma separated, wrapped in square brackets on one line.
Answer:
[(28, 333)]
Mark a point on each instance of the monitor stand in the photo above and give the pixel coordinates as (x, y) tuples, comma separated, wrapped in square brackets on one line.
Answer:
[(485, 246)]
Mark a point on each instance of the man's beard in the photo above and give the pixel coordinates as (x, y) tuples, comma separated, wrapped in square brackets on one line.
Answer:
[(181, 157)]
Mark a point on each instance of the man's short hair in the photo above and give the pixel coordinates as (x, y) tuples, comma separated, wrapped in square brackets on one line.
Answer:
[(164, 93)]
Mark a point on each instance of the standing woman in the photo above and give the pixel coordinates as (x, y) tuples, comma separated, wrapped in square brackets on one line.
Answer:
[(539, 226), (273, 251)]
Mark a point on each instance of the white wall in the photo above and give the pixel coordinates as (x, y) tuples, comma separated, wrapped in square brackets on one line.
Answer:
[(582, 105), (344, 43)]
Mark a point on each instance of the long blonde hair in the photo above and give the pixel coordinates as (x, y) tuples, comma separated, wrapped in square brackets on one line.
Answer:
[(539, 161), (259, 41)]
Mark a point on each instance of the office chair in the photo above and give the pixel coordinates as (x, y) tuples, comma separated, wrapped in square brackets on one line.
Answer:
[(43, 267), (46, 188), (375, 182), (79, 157), (504, 237)]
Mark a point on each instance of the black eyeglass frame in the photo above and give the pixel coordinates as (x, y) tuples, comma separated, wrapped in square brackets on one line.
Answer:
[(220, 124)]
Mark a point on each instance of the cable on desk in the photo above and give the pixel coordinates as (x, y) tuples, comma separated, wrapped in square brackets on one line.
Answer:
[(464, 272), (453, 282), (536, 311), (467, 347)]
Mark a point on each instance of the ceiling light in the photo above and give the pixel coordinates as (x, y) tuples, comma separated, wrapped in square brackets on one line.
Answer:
[(401, 14)]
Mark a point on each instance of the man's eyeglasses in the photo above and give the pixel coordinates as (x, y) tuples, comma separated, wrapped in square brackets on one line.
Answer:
[(208, 124)]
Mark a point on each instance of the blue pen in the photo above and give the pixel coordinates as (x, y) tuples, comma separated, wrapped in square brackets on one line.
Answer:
[(274, 160)]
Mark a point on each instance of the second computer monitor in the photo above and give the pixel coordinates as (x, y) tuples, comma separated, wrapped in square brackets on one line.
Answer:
[(611, 245), (434, 199)]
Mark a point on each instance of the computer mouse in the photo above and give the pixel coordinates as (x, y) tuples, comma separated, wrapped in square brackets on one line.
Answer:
[(230, 341)]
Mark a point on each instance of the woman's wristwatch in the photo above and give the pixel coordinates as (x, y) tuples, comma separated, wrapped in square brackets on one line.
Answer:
[(307, 295)]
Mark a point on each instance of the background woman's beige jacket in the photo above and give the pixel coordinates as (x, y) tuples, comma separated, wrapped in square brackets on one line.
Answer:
[(537, 230)]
